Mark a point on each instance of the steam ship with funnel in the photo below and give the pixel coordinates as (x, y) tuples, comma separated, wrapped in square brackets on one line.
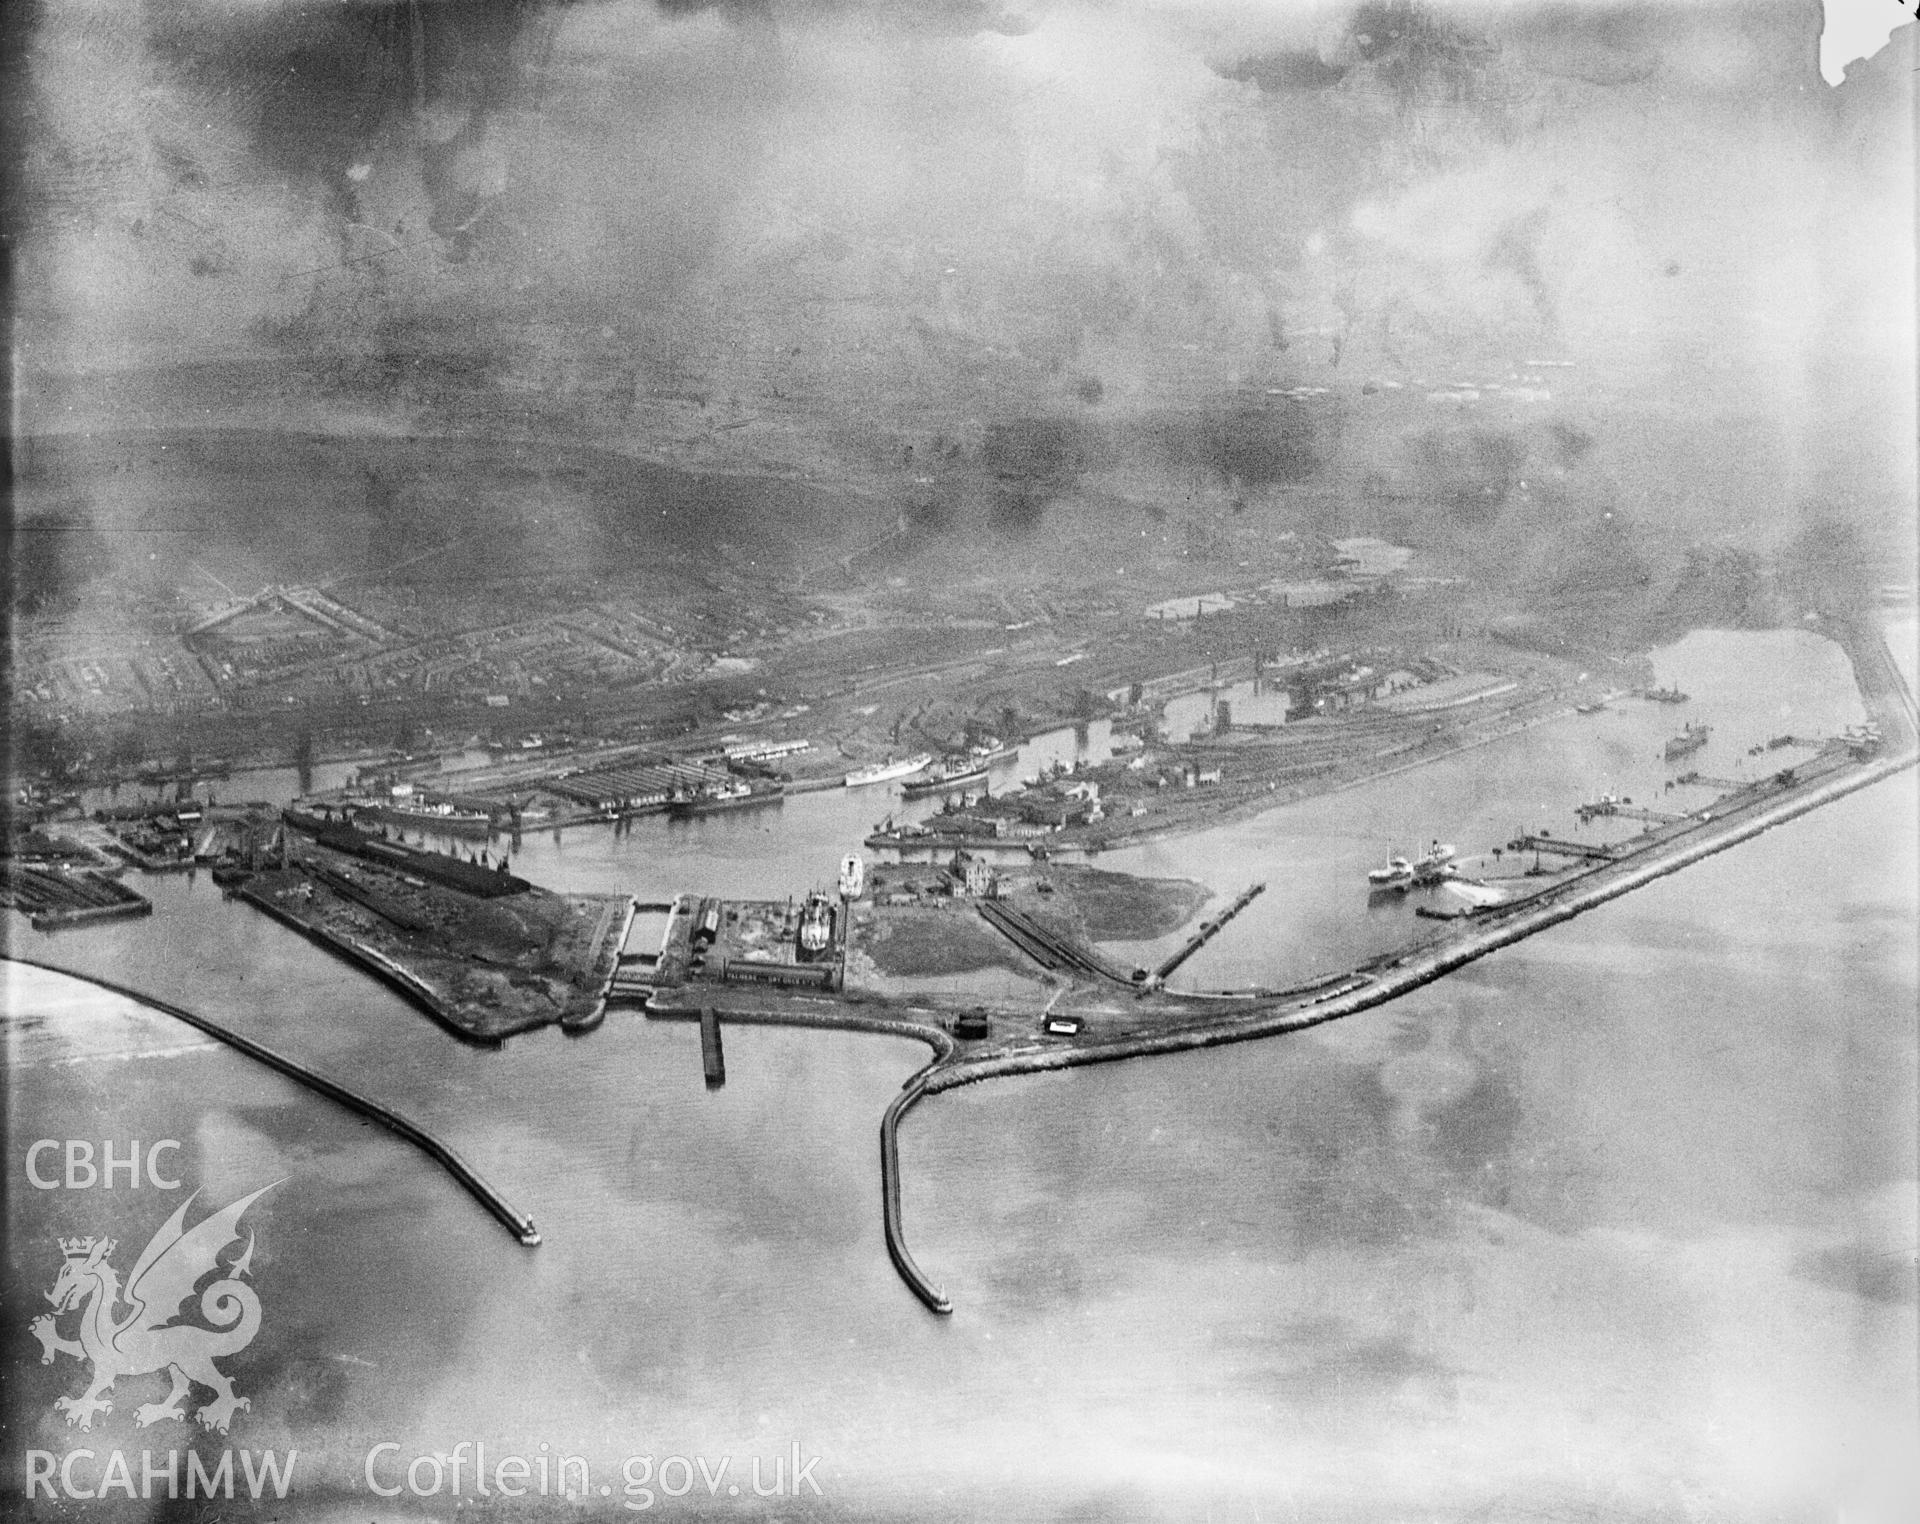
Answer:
[(729, 797), (955, 772), (1431, 867), (1687, 742), (401, 806), (880, 772)]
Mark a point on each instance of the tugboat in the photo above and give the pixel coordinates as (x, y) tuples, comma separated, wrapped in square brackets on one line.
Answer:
[(230, 873), (1687, 742), (853, 877)]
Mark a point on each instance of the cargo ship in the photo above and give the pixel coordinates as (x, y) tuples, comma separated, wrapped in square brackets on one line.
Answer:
[(1667, 695), (727, 797), (881, 772), (422, 814), (1687, 742), (954, 773)]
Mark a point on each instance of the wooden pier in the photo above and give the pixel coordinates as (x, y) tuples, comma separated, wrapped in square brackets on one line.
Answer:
[(1208, 930), (1719, 785), (1626, 810), (712, 1059), (1587, 849)]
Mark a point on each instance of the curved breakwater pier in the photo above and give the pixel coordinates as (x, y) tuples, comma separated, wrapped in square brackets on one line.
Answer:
[(902, 1257), (663, 1008), (517, 1222)]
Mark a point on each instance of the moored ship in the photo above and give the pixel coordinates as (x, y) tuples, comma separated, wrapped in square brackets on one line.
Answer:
[(954, 773), (1432, 866), (730, 797), (880, 772), (1687, 742), (853, 876), (816, 927), (422, 814), (1397, 874)]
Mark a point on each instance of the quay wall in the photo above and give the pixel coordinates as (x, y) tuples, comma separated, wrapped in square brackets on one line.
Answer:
[(413, 988)]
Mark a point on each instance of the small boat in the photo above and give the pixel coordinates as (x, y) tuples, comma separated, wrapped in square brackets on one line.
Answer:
[(1687, 742), (853, 876), (1594, 708), (881, 772), (954, 773)]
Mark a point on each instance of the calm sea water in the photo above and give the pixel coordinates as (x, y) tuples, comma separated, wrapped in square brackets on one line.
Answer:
[(1615, 1224)]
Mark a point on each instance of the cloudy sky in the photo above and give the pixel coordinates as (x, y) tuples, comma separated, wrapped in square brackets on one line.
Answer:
[(916, 216)]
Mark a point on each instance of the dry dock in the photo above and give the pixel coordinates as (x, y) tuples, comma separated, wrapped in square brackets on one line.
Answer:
[(52, 898)]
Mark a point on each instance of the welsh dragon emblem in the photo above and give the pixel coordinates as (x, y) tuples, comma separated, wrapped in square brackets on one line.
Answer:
[(147, 1336)]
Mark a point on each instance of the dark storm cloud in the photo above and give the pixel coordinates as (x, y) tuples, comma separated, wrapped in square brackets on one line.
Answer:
[(1285, 69), (1514, 250)]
